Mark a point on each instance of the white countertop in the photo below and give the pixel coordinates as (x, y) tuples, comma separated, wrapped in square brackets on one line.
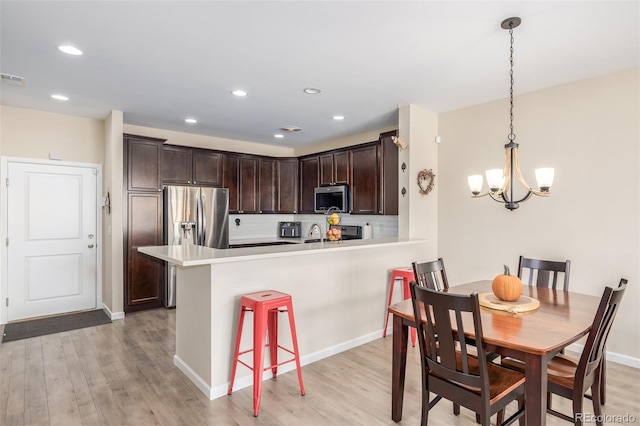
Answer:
[(198, 255)]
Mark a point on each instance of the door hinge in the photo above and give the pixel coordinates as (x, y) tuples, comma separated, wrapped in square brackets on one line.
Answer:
[(7, 302), (6, 242), (7, 182)]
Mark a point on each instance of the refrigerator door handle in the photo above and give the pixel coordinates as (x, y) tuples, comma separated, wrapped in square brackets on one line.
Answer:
[(202, 221)]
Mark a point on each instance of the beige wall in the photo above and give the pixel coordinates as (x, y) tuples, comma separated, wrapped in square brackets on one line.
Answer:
[(112, 222), (589, 131), (34, 134)]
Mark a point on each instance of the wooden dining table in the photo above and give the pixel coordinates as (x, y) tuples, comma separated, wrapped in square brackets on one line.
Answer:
[(533, 337)]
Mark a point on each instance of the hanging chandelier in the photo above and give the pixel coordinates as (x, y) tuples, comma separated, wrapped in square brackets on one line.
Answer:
[(501, 181)]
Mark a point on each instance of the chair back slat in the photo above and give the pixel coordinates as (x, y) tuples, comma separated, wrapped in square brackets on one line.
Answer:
[(441, 328), (431, 274), (597, 338), (544, 273)]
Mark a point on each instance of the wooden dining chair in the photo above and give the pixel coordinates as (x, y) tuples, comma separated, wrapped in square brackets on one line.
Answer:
[(431, 274), (448, 368), (545, 272), (569, 378)]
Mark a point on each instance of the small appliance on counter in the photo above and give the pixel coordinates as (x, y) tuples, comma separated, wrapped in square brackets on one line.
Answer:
[(350, 232), (289, 229)]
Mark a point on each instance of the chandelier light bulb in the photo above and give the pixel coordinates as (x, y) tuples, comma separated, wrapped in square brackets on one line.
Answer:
[(495, 179), (475, 184), (544, 176)]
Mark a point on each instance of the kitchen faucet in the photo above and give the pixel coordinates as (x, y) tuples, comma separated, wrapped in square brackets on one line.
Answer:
[(313, 227)]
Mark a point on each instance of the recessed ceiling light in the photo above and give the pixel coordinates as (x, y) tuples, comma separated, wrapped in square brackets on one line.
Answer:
[(60, 97), (70, 50), (190, 120), (278, 135), (311, 91), (239, 93), (338, 117)]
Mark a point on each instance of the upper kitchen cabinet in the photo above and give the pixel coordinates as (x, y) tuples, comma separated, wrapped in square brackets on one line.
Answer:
[(266, 185), (374, 177), (365, 183), (207, 168), (191, 166), (143, 162), (334, 168), (249, 197), (231, 180), (240, 176), (389, 174), (287, 185), (309, 180)]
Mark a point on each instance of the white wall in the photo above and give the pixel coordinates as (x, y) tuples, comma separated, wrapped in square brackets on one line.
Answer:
[(589, 131)]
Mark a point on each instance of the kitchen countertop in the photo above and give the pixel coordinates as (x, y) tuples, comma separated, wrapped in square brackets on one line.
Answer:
[(192, 255)]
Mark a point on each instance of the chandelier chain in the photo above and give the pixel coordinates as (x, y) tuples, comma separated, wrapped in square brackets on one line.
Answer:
[(512, 136)]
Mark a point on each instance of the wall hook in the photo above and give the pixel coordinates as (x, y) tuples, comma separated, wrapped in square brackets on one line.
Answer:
[(404, 191), (404, 166)]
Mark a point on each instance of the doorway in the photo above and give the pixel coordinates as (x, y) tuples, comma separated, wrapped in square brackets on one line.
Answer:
[(51, 254)]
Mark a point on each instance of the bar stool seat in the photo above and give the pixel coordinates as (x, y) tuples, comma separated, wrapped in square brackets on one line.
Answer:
[(265, 306), (406, 274)]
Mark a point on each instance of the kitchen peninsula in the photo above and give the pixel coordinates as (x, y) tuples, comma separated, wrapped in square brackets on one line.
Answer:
[(339, 292)]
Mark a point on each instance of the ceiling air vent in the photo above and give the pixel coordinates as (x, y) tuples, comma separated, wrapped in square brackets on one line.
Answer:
[(12, 79), (291, 129)]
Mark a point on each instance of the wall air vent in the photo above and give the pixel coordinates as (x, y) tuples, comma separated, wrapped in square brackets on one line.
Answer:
[(291, 129), (12, 79)]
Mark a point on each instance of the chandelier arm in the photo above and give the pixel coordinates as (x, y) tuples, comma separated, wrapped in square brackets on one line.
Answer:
[(519, 173), (506, 172), (501, 200), (523, 182)]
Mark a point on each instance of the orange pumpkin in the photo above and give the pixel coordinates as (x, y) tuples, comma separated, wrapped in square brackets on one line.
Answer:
[(507, 287)]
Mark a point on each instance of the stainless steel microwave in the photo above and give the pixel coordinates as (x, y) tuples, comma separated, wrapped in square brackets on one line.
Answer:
[(326, 197)]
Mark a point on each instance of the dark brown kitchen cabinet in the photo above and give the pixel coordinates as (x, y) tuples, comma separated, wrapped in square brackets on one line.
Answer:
[(251, 183), (287, 185), (365, 184), (267, 185), (248, 185), (334, 168), (176, 165), (309, 180), (207, 168), (143, 164), (374, 177), (389, 174), (191, 166), (144, 275), (231, 180)]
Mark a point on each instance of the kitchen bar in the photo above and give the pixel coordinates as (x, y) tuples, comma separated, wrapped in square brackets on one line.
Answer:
[(339, 295)]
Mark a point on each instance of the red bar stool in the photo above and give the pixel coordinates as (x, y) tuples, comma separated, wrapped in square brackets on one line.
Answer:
[(265, 306), (406, 274)]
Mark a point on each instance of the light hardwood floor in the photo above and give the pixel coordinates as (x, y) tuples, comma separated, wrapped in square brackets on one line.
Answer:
[(123, 374)]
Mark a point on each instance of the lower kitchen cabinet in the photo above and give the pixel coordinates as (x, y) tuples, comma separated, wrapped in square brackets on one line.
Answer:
[(144, 275)]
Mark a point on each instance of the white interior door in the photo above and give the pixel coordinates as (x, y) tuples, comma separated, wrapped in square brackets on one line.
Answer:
[(51, 230)]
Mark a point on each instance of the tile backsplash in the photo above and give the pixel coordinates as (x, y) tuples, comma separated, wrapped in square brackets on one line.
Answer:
[(266, 225)]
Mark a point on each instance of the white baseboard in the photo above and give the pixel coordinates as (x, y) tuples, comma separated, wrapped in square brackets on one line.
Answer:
[(246, 381), (112, 315), (611, 356), (197, 380)]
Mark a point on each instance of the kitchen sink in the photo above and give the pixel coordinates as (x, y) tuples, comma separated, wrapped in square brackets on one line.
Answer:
[(315, 240)]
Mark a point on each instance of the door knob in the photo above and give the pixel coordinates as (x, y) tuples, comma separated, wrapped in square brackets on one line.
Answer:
[(90, 246)]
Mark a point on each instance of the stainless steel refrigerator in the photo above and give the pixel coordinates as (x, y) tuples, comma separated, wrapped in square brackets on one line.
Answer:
[(193, 216)]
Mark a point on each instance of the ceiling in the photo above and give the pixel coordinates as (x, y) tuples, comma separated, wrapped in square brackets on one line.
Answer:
[(161, 62)]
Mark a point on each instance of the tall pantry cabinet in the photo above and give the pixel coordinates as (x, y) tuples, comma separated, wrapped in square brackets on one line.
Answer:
[(143, 278)]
